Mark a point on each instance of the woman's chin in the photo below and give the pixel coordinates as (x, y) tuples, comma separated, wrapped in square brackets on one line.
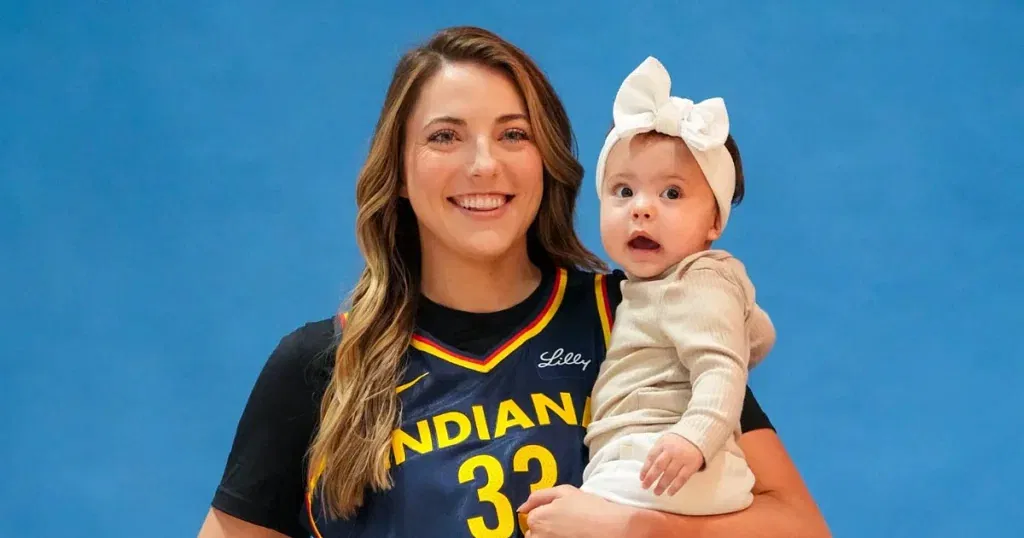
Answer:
[(488, 247)]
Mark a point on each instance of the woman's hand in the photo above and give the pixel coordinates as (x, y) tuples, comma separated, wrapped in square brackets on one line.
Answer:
[(566, 512)]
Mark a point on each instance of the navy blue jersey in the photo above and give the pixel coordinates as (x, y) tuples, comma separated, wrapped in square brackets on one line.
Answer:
[(479, 433)]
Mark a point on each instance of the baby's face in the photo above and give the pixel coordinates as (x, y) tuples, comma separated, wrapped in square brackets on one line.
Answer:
[(656, 205)]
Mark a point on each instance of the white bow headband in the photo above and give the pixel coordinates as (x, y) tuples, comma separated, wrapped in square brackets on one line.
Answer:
[(643, 104)]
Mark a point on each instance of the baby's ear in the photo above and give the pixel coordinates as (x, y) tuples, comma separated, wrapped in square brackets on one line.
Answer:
[(715, 232)]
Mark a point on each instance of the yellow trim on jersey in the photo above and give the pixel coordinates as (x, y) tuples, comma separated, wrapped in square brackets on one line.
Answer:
[(311, 488), (402, 388), (489, 363), (603, 310)]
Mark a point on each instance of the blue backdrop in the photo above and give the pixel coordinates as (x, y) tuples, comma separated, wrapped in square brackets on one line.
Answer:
[(176, 190)]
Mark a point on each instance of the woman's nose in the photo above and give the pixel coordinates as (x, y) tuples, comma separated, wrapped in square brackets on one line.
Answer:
[(484, 164)]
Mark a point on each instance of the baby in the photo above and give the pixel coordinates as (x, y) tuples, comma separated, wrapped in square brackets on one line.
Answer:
[(667, 402)]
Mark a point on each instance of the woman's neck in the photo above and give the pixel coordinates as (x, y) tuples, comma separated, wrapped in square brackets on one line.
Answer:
[(474, 286)]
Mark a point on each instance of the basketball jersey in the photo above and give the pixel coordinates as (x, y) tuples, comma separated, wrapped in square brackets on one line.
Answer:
[(478, 434)]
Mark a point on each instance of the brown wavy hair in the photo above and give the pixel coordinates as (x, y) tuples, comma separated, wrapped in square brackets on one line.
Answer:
[(360, 408)]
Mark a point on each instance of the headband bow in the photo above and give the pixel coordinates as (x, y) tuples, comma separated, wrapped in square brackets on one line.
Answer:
[(643, 104)]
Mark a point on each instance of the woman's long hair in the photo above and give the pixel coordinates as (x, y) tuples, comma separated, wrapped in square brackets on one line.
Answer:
[(360, 408)]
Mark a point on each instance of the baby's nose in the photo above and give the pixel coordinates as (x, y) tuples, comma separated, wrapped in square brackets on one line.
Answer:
[(642, 210)]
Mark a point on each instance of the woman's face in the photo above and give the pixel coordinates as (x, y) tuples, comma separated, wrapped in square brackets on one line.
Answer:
[(472, 173)]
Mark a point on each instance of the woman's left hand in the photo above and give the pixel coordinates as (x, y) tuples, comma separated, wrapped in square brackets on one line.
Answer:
[(566, 512)]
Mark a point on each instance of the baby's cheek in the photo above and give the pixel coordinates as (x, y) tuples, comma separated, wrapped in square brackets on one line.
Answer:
[(613, 230), (612, 224)]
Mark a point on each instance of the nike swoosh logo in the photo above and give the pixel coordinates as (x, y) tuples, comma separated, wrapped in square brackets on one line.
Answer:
[(402, 388)]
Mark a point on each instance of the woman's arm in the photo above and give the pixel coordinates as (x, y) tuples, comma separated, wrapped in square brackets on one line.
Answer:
[(783, 506), (262, 489), (220, 525)]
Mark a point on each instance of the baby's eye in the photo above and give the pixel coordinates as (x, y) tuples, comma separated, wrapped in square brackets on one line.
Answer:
[(446, 136), (672, 193), (623, 191)]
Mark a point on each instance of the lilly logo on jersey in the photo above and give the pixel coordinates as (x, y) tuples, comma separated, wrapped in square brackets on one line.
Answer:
[(561, 357)]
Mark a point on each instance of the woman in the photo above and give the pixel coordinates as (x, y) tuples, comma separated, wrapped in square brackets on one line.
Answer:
[(477, 328)]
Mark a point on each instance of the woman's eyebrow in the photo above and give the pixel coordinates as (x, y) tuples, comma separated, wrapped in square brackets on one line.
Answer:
[(446, 119), (505, 118), (452, 120)]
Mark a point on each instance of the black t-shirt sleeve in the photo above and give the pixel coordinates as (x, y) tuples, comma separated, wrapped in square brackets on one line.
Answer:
[(265, 475), (752, 418)]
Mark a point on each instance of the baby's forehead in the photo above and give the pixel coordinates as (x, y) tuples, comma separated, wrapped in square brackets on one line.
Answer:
[(650, 156)]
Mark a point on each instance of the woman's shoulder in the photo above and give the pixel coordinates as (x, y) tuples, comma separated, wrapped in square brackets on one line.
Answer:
[(613, 277), (610, 281), (264, 473), (616, 277), (300, 365), (310, 343)]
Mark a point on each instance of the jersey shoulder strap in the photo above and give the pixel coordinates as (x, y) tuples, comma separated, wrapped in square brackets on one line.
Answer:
[(593, 292)]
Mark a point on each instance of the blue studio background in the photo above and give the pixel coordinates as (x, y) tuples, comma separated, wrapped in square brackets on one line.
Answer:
[(176, 189)]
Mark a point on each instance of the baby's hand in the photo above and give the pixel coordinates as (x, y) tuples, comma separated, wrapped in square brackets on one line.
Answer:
[(672, 458)]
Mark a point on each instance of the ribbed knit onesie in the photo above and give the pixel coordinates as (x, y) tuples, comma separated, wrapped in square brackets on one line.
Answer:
[(678, 360)]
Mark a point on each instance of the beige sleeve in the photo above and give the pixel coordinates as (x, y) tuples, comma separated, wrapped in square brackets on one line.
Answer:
[(761, 334), (704, 316)]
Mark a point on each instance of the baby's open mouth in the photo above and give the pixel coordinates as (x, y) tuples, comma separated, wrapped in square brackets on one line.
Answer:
[(642, 242)]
